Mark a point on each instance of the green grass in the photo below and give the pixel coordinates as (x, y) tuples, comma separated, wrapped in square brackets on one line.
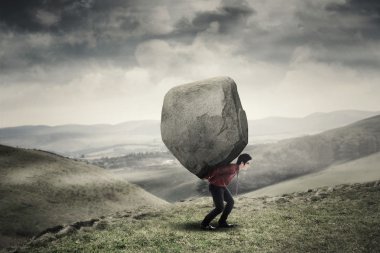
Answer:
[(344, 220)]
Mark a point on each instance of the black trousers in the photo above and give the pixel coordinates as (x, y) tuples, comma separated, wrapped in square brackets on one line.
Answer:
[(218, 195)]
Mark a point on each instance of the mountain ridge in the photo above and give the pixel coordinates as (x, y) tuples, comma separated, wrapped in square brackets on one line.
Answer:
[(75, 140)]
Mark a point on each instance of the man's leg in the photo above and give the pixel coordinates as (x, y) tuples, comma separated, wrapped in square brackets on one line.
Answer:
[(227, 210), (217, 196)]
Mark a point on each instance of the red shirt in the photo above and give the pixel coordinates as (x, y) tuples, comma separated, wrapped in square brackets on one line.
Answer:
[(222, 176)]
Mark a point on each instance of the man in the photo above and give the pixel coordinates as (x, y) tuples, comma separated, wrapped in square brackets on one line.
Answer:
[(218, 179)]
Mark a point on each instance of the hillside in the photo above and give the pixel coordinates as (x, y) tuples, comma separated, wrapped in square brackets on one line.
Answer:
[(356, 171), (275, 128), (162, 175), (157, 172), (170, 182), (344, 218), (273, 163), (40, 189)]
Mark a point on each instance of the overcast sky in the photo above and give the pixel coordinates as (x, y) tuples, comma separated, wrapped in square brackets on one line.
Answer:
[(95, 61)]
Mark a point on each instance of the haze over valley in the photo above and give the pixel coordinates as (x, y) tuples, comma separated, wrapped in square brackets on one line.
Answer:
[(96, 141)]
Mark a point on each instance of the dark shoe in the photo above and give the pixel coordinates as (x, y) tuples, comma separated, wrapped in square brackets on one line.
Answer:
[(226, 225), (208, 227)]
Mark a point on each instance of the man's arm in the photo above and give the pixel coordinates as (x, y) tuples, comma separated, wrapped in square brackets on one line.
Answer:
[(210, 174)]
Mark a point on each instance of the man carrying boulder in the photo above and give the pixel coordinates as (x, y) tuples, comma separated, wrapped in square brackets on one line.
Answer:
[(218, 179)]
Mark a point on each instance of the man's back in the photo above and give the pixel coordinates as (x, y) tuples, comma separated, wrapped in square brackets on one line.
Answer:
[(222, 176)]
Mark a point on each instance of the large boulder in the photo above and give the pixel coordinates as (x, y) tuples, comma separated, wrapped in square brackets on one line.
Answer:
[(203, 124)]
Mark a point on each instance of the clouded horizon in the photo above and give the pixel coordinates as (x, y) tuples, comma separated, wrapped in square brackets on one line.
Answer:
[(93, 61)]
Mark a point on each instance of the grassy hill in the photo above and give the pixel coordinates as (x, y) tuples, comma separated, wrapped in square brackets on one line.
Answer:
[(157, 172), (340, 219), (40, 189), (356, 171), (273, 163), (170, 182), (162, 175)]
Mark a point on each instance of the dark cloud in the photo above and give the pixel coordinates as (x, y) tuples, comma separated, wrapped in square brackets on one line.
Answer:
[(343, 34), (367, 8), (354, 38), (58, 16), (96, 29), (83, 30), (128, 23), (18, 14), (228, 17), (34, 16)]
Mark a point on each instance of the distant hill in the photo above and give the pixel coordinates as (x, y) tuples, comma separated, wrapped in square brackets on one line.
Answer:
[(162, 175), (95, 141), (276, 128), (356, 171), (171, 182), (76, 140), (159, 173), (286, 159), (40, 189)]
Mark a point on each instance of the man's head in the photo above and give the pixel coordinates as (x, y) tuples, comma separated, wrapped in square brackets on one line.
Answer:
[(243, 160)]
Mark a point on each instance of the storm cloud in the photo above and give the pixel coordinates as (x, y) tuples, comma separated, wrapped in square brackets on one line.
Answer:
[(91, 55), (228, 18), (52, 32)]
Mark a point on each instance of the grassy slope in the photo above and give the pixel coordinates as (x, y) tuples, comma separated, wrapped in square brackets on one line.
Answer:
[(296, 157), (360, 170), (272, 163), (341, 220), (169, 182), (39, 190)]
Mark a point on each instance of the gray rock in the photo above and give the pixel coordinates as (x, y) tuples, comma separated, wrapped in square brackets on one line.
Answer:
[(86, 223), (86, 229), (203, 124), (281, 200), (43, 239), (315, 198), (101, 225), (340, 186), (66, 231), (321, 193)]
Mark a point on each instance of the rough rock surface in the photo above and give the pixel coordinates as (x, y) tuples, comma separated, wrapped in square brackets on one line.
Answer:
[(203, 124)]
